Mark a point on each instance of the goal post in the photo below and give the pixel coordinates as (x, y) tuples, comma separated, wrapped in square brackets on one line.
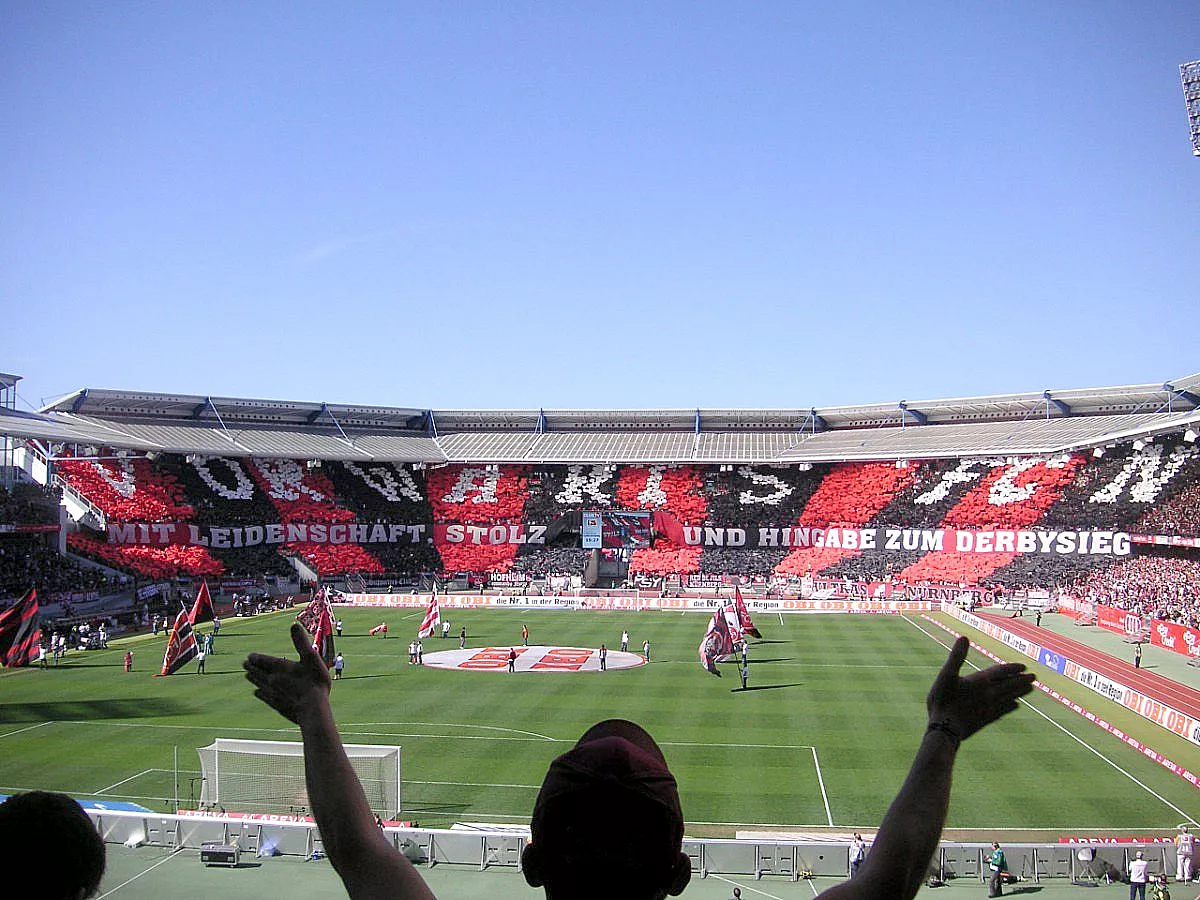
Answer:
[(268, 776)]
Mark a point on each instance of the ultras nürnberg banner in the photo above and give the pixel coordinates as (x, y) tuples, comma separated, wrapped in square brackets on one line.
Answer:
[(927, 540)]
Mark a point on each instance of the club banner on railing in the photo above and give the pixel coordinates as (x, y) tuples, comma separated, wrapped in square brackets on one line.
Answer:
[(1175, 637), (1119, 620)]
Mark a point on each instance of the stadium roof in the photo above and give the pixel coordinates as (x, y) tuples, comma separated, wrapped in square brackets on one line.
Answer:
[(1051, 421)]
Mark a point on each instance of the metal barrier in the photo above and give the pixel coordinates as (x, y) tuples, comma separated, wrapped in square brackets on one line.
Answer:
[(486, 849)]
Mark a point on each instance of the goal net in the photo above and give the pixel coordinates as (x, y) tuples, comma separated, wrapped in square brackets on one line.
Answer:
[(268, 776)]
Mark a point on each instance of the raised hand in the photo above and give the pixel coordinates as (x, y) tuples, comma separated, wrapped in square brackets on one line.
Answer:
[(963, 705), (294, 688)]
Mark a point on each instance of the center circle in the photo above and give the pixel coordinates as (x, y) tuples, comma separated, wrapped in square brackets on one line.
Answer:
[(531, 659)]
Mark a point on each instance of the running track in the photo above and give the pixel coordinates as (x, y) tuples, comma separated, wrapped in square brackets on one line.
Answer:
[(1178, 696)]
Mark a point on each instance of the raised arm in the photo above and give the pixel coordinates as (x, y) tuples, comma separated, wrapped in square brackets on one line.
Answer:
[(957, 708), (369, 866)]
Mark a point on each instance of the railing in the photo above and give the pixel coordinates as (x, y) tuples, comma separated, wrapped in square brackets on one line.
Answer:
[(78, 498), (794, 860)]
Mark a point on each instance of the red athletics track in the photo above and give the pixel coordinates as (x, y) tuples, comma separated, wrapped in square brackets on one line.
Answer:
[(1178, 696)]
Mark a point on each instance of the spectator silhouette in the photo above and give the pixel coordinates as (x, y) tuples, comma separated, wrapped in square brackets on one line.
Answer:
[(50, 837)]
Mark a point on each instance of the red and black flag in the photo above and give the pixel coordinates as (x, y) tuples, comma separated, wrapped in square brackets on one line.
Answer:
[(717, 642), (181, 646), (317, 619), (747, 624), (202, 609), (308, 616), (20, 632)]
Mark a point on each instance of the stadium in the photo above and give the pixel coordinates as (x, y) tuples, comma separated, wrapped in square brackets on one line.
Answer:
[(663, 583), (1057, 528)]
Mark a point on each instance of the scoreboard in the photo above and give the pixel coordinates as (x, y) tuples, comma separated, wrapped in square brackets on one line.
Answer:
[(612, 529)]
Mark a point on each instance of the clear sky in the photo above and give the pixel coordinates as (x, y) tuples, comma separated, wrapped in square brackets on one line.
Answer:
[(669, 204)]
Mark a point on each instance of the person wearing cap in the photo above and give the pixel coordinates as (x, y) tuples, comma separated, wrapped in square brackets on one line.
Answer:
[(1138, 876), (607, 821)]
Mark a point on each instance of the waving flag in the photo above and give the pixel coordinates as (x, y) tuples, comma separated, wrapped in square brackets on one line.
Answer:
[(744, 620), (20, 633), (317, 619), (181, 646), (202, 609), (432, 618), (717, 642), (309, 615), (734, 621)]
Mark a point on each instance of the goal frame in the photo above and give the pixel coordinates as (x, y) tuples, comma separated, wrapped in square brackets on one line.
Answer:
[(378, 766)]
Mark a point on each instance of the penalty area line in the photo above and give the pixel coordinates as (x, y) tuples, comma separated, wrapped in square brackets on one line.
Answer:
[(124, 781), (23, 730)]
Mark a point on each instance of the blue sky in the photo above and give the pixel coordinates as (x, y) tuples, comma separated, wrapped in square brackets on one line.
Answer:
[(611, 205)]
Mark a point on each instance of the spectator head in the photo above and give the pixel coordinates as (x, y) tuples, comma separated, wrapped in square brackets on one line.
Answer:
[(607, 821), (50, 835)]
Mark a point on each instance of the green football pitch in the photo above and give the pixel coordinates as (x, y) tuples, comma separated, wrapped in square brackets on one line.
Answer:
[(822, 738)]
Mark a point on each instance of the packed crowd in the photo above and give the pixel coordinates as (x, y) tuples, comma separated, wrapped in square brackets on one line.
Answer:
[(1163, 585), (1152, 489), (28, 504), (30, 561)]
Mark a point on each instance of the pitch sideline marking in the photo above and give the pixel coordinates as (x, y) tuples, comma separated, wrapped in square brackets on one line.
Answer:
[(20, 730), (821, 782), (1149, 790), (108, 893)]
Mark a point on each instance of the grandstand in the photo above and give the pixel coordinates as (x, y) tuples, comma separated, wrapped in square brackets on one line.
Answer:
[(887, 492), (1079, 501)]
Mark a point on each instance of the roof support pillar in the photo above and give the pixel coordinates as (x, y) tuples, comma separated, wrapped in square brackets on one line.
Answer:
[(1058, 404)]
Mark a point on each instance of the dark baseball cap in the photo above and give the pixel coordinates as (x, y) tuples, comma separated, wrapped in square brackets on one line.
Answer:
[(614, 755)]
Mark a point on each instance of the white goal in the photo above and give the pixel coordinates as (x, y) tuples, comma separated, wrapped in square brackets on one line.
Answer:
[(268, 776)]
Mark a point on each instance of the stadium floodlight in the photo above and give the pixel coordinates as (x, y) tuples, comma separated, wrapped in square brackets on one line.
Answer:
[(1098, 452), (1190, 435), (1139, 444), (1189, 75)]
